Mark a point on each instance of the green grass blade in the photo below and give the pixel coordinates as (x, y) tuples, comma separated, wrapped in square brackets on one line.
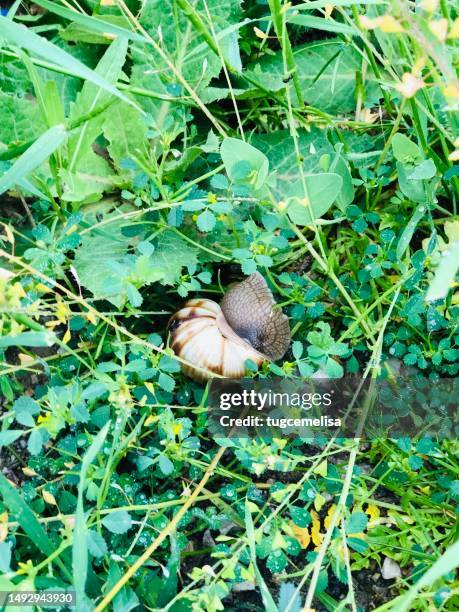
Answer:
[(409, 230), (35, 155), (443, 565), (92, 23), (27, 39), (268, 601), (25, 517), (80, 534), (445, 274), (319, 23)]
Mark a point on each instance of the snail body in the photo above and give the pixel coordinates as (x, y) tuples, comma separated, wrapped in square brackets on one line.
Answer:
[(219, 339)]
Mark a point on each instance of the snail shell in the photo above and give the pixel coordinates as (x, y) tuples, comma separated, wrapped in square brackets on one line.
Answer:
[(220, 339)]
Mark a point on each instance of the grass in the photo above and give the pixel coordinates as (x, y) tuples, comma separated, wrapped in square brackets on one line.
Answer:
[(154, 152)]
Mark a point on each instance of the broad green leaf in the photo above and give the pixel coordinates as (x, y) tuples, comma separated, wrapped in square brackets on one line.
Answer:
[(179, 38), (37, 45), (104, 268), (92, 177), (412, 189), (21, 119), (91, 97), (406, 151), (96, 544), (445, 273), (125, 130), (35, 442), (235, 152), (327, 74), (24, 409), (322, 190), (424, 171), (313, 146), (35, 155)]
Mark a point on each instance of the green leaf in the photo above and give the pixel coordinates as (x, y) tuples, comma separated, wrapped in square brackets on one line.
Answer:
[(297, 349), (125, 130), (446, 563), (409, 230), (29, 339), (206, 221), (5, 556), (117, 522), (21, 512), (34, 156), (279, 148), (357, 522), (268, 600), (104, 24), (322, 190), (165, 465), (319, 23), (423, 171), (91, 97), (235, 151), (37, 45), (21, 119), (9, 436), (166, 382), (406, 151), (413, 190), (445, 274), (183, 42), (326, 71), (96, 544), (35, 442), (171, 255), (80, 533)]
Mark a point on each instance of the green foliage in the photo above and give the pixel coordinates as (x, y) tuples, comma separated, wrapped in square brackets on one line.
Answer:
[(152, 152)]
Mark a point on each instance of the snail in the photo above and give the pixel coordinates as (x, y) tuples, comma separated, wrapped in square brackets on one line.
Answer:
[(221, 337)]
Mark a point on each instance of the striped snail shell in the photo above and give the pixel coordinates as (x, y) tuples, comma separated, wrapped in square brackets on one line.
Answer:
[(220, 338)]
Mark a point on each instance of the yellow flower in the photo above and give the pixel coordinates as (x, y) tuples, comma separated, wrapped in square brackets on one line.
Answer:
[(62, 311), (429, 5), (25, 568), (3, 526), (387, 23), (439, 28), (451, 91), (454, 32), (390, 25), (367, 23), (409, 85)]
